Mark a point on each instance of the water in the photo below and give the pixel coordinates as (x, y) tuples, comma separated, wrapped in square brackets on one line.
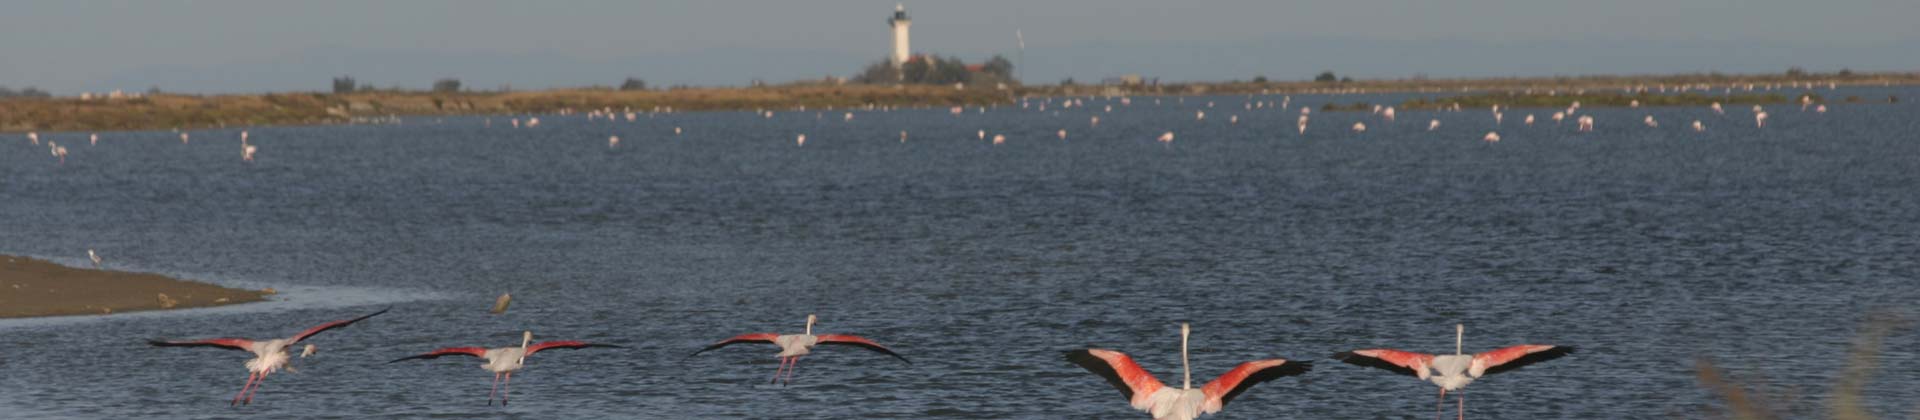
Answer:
[(1647, 248)]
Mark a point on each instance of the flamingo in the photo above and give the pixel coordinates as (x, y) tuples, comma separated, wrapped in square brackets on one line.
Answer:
[(1199, 115), (792, 346), (505, 360), (94, 139), (1166, 138), (1529, 120), (246, 152), (1454, 371), (94, 257), (982, 134), (1698, 127), (269, 355), (34, 137), (999, 139), (533, 122), (1388, 114), (1303, 124), (1760, 119), (676, 131), (183, 138), (1433, 124), (1557, 116), (1821, 109), (1491, 137), (1717, 110), (1093, 122), (1145, 393), (1233, 119), (849, 117), (57, 151), (1651, 123), (1063, 134), (800, 141), (613, 141), (903, 136), (1586, 123), (1359, 127)]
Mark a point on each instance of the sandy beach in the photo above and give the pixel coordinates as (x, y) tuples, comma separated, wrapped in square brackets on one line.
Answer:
[(32, 287)]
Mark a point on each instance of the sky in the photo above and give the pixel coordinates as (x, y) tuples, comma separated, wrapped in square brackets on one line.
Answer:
[(237, 46)]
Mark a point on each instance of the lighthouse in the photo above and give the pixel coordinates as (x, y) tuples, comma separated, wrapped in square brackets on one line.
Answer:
[(900, 23)]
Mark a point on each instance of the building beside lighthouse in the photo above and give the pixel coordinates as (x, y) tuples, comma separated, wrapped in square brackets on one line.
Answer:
[(900, 23)]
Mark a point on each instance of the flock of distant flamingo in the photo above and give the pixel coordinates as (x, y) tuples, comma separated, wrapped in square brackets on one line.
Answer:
[(1141, 390), (1386, 114)]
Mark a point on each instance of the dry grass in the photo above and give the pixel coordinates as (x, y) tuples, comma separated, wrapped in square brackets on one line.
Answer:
[(190, 111), (1750, 401)]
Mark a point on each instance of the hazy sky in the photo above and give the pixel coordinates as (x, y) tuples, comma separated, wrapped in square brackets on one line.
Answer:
[(68, 46)]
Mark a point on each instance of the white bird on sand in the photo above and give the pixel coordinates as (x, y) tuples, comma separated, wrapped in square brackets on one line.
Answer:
[(1359, 127), (1760, 119), (1454, 371), (269, 356), (1698, 127), (1145, 393), (792, 346), (1491, 137), (503, 361), (94, 257), (1433, 124)]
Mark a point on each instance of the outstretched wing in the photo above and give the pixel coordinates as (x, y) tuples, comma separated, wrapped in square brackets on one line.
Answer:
[(1135, 384), (227, 343), (1515, 357), (331, 325), (1223, 390), (450, 351), (1402, 362), (854, 340), (536, 348), (742, 338)]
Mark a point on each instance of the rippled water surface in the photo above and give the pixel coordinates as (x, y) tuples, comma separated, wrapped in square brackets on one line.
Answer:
[(1761, 248)]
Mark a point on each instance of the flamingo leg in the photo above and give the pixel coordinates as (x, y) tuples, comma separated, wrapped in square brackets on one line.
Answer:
[(243, 389), (1440, 406), (495, 389), (776, 372), (790, 369), (1463, 405), (256, 388), (506, 388)]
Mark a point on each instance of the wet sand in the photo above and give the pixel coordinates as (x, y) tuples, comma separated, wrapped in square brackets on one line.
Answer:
[(31, 287)]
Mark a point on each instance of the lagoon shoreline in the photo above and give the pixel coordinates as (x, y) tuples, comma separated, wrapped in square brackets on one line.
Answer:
[(32, 287)]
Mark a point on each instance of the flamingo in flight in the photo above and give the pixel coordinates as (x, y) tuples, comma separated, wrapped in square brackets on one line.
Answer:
[(792, 346), (505, 360), (1145, 393), (269, 355), (1454, 371)]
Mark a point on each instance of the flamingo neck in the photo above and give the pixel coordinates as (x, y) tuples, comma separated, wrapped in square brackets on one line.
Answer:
[(809, 326), (1459, 338), (1185, 368)]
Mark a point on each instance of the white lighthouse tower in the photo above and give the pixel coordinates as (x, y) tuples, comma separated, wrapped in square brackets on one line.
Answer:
[(900, 23)]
